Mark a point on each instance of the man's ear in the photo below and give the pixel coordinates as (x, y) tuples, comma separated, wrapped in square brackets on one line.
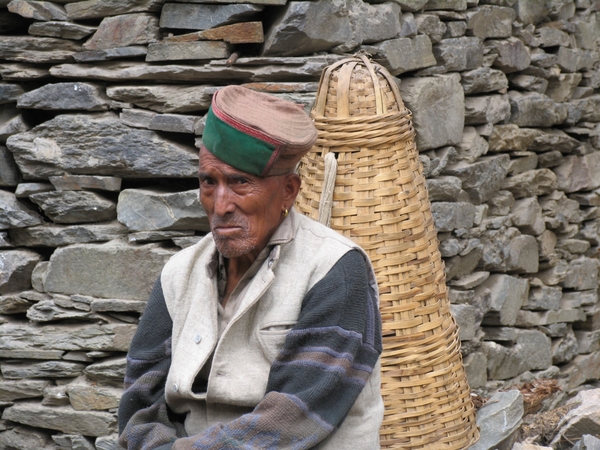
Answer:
[(291, 187)]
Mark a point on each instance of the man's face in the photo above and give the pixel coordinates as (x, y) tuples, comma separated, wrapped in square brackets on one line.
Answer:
[(243, 210)]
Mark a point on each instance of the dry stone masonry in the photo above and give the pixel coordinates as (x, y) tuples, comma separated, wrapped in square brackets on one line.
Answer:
[(102, 106)]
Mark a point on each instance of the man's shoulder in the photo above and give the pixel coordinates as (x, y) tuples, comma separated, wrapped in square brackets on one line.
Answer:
[(203, 249), (310, 228)]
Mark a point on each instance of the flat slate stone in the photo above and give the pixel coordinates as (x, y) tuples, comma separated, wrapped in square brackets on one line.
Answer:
[(17, 266), (149, 210), (48, 311), (237, 33), (164, 98), (20, 437), (513, 55), (63, 30), (11, 122), (458, 54), (20, 71), (123, 31), (75, 206), (99, 144), (404, 54), (37, 50), (491, 21), (110, 370), (37, 10), (117, 305), (176, 123), (69, 96), (14, 214), (254, 2), (63, 418), (98, 9), (88, 397), (533, 109), (82, 182), (18, 389), (191, 16), (46, 369), (58, 235), (138, 118), (178, 51), (110, 54), (24, 190), (110, 270)]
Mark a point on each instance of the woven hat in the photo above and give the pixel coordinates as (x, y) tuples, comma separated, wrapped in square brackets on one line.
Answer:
[(257, 133)]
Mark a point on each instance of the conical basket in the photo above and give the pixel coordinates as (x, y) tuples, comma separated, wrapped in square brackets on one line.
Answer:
[(379, 199)]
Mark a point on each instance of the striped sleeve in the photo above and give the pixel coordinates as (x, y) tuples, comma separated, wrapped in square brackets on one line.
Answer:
[(144, 418), (326, 361)]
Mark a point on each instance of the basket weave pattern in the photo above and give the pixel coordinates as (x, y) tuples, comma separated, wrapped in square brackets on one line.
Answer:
[(380, 201)]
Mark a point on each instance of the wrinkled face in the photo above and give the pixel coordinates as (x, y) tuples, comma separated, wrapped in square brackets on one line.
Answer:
[(243, 210)]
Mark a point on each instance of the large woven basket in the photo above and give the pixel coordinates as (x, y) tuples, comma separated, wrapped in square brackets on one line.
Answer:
[(380, 201)]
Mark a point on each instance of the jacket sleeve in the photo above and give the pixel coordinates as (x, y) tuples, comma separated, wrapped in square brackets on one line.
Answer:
[(326, 361), (144, 421)]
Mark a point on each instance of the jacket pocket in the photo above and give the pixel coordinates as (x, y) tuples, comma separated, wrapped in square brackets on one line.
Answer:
[(272, 338)]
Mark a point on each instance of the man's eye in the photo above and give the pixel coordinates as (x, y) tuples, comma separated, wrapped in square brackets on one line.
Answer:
[(206, 181), (241, 181)]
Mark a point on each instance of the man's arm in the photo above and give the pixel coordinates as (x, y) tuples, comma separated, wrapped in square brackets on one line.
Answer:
[(144, 421), (324, 365)]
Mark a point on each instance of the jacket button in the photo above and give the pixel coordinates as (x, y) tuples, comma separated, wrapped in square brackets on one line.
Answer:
[(270, 263), (197, 339), (175, 388)]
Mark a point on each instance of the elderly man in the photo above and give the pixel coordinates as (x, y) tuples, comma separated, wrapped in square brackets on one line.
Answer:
[(266, 334)]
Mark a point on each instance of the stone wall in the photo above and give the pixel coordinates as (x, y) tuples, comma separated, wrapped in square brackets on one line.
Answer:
[(101, 107)]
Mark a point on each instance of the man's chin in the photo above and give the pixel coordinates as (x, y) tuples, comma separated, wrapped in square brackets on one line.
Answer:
[(229, 248)]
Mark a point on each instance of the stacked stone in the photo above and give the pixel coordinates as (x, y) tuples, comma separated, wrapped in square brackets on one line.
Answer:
[(101, 117)]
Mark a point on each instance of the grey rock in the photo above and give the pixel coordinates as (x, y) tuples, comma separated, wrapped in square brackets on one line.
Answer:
[(484, 79), (487, 109), (38, 10), (527, 216), (578, 173), (582, 419), (471, 280), (502, 334), (73, 96), (499, 420), (491, 21), (108, 442), (458, 54), (55, 396), (522, 255), (164, 99), (45, 369), (24, 438), (583, 298), (178, 51), (69, 207), (522, 162), (589, 108), (9, 172), (450, 215), (552, 37), (432, 26), (154, 236), (19, 389), (117, 305), (57, 235), (63, 418), (573, 246), (4, 241), (455, 29), (92, 397), (81, 182), (587, 341), (104, 270), (507, 294), (533, 109), (531, 183), (98, 144), (582, 274), (482, 179), (123, 31), (17, 266), (202, 17), (529, 83), (445, 189), (96, 9), (549, 159), (111, 370), (11, 122), (37, 50), (529, 319), (555, 274), (569, 60), (20, 71), (530, 11), (475, 366), (456, 5), (468, 319), (110, 54), (435, 100), (512, 54), (183, 242), (48, 311), (542, 59), (554, 139), (532, 351), (73, 441), (564, 349), (10, 92), (543, 298), (412, 5), (59, 29), (91, 337), (587, 442), (581, 369), (509, 137), (461, 265), (138, 118), (13, 304), (24, 190), (404, 54), (176, 123), (161, 210)]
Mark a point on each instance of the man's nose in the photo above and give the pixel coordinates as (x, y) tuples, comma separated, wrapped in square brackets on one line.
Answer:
[(223, 201)]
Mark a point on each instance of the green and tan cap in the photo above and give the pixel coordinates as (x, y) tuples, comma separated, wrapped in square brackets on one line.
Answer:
[(257, 133)]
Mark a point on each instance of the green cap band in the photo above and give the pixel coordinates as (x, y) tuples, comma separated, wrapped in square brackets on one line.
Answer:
[(234, 147)]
